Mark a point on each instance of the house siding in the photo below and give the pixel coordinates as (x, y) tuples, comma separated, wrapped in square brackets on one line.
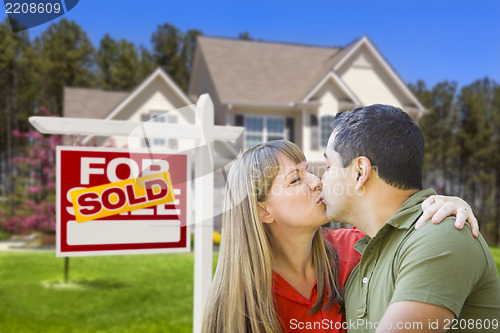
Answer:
[(155, 97), (365, 77)]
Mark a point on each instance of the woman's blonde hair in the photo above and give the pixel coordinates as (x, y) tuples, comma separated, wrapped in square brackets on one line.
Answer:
[(241, 298)]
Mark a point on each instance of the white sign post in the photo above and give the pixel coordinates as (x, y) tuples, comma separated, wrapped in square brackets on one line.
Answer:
[(205, 133), (204, 201)]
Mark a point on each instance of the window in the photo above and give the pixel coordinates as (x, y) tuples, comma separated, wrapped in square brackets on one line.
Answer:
[(263, 129), (173, 143), (326, 129), (275, 129), (164, 117), (158, 117)]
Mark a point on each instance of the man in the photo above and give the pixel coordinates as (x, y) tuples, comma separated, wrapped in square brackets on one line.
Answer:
[(432, 279)]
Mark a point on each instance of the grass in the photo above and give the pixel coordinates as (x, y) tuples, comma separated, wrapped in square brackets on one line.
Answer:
[(4, 235), (115, 294), (496, 255), (142, 293)]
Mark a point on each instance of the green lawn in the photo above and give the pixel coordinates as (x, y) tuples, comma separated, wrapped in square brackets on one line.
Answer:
[(142, 293), (496, 255)]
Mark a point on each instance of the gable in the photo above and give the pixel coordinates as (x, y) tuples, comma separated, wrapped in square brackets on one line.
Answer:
[(157, 93), (263, 72), (332, 94), (155, 97), (373, 80)]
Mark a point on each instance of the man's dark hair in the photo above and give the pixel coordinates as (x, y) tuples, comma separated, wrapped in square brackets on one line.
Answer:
[(388, 137)]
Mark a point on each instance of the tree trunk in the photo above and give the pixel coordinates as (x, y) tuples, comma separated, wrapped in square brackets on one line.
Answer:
[(8, 128), (484, 208), (496, 219)]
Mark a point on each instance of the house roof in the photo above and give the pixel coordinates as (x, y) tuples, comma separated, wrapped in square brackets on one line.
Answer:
[(158, 73), (100, 104), (90, 103), (271, 73), (327, 66)]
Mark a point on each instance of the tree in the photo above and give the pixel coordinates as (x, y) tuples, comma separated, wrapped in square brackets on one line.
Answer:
[(495, 142), (173, 51), (436, 126), (477, 154), (18, 90), (187, 52), (245, 36), (462, 132), (118, 64), (66, 54), (146, 63), (104, 58), (35, 195), (166, 45)]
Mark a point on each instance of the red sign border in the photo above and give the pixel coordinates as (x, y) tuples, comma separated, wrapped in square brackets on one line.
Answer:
[(65, 250)]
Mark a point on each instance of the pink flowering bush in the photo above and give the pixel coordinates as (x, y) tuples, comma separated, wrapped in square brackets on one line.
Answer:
[(35, 184)]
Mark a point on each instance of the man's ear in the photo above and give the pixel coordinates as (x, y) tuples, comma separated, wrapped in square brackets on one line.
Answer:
[(264, 215), (362, 169)]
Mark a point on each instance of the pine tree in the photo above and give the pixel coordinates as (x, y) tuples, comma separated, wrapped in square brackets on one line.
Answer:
[(18, 91), (173, 51), (67, 56), (118, 64)]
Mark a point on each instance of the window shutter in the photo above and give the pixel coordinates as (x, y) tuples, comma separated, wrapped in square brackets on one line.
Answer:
[(289, 132), (326, 129), (239, 120), (173, 143), (314, 132)]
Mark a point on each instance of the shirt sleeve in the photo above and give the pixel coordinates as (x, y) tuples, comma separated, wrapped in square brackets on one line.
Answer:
[(343, 240), (439, 265)]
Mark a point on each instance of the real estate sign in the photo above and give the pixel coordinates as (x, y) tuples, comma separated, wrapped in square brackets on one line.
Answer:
[(112, 201)]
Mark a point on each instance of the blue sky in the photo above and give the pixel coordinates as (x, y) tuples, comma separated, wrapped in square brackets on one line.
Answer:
[(428, 40)]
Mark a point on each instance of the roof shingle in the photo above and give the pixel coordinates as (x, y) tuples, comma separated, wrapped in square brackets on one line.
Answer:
[(90, 103), (271, 73)]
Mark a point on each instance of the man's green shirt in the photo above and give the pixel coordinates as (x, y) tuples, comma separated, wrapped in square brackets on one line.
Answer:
[(436, 264)]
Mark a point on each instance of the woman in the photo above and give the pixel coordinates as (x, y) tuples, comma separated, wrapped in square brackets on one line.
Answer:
[(277, 268)]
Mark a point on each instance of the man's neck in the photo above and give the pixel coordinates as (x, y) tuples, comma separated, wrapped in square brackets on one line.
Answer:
[(379, 206)]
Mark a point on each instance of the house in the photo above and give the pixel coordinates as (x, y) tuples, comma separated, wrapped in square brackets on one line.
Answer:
[(274, 90), (156, 99), (288, 91)]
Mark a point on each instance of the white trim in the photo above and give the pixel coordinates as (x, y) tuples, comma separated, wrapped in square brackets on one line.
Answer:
[(385, 65), (231, 105), (336, 79), (351, 51), (302, 129), (100, 127), (158, 72), (292, 106), (394, 75)]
